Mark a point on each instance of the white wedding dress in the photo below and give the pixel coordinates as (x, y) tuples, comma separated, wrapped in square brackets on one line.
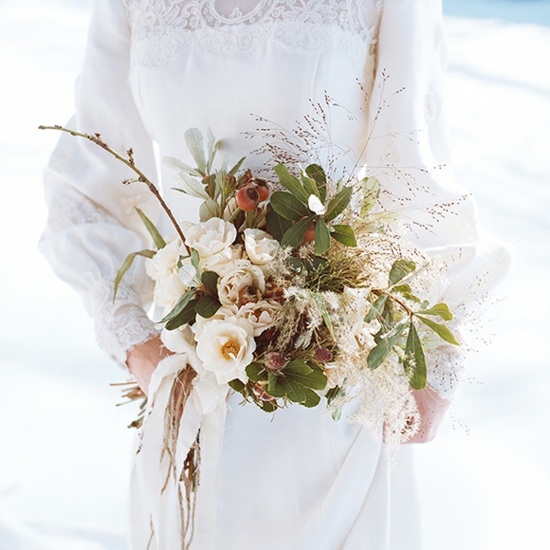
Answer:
[(298, 480)]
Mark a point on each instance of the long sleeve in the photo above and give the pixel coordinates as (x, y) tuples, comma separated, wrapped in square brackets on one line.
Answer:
[(408, 152), (92, 224)]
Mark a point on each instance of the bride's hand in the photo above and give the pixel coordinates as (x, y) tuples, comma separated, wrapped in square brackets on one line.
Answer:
[(143, 359), (432, 409)]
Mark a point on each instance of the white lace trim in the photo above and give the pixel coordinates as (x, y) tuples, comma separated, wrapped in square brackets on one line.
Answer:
[(119, 325), (162, 30)]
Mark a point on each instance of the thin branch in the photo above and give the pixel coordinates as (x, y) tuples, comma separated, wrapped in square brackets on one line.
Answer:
[(141, 177)]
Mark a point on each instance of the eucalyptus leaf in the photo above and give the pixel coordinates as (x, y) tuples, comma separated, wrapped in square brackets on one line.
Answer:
[(291, 183), (209, 209), (415, 361), (399, 270), (190, 185), (295, 233), (152, 230), (344, 234), (288, 206), (338, 203), (195, 144), (127, 264), (406, 292), (195, 261), (317, 173), (440, 329), (322, 236), (441, 310), (212, 148), (376, 309), (237, 167), (207, 306), (177, 164)]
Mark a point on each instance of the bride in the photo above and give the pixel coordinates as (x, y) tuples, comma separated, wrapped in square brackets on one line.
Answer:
[(153, 69)]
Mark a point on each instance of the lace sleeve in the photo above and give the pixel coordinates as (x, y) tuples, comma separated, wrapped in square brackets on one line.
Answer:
[(92, 224), (408, 151)]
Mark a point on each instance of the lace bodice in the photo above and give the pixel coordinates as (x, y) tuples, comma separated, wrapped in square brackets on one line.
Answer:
[(160, 29)]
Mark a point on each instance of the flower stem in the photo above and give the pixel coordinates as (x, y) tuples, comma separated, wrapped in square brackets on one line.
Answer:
[(129, 161)]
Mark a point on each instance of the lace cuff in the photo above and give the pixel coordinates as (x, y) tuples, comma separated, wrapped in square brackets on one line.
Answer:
[(120, 325)]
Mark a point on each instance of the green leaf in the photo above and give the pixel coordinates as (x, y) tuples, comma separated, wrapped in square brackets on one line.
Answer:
[(196, 261), (256, 372), (268, 406), (276, 225), (406, 292), (127, 264), (153, 231), (441, 330), (293, 390), (321, 304), (415, 361), (195, 144), (210, 280), (179, 307), (305, 375), (399, 270), (315, 172), (380, 352), (236, 385), (338, 203), (288, 206), (310, 185), (274, 387), (441, 310), (207, 306), (311, 398), (187, 315), (376, 309), (322, 237), (237, 167), (295, 233), (209, 209), (177, 164), (344, 234), (212, 148), (291, 183)]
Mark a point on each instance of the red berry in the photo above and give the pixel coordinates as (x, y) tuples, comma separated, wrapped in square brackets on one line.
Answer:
[(247, 198), (309, 235), (263, 191)]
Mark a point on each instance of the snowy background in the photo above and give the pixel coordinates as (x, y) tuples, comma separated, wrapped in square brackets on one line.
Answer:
[(64, 447)]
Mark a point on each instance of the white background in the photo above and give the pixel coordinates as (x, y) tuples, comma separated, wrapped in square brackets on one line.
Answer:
[(64, 448)]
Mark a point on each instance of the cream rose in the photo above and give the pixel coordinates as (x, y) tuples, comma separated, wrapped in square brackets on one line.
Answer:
[(226, 348), (259, 314), (211, 237), (240, 280), (260, 246), (165, 261)]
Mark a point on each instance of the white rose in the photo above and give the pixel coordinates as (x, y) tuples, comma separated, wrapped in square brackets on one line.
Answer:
[(226, 348), (168, 290), (165, 261), (239, 278), (260, 246), (222, 314), (219, 262), (211, 237), (259, 314)]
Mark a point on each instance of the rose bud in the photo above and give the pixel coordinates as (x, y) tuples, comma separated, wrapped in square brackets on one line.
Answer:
[(247, 198), (275, 360), (323, 355)]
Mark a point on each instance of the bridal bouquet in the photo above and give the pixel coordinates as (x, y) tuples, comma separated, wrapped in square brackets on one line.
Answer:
[(293, 291)]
